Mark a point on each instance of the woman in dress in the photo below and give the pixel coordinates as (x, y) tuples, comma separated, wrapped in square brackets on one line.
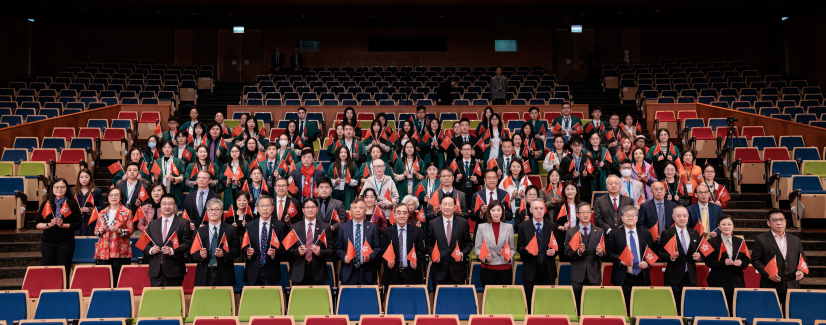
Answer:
[(430, 147), (200, 163), (81, 192)]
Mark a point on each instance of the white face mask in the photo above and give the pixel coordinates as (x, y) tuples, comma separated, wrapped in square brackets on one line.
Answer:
[(626, 173), (283, 143)]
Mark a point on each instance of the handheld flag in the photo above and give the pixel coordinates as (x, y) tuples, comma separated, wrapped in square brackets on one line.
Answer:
[(744, 249), (186, 216), (389, 254), (335, 216), (292, 211), (454, 166), (506, 251), (290, 239), (724, 196), (143, 241), (588, 166), (225, 243), (639, 127), (771, 267), (392, 219), (174, 240), (246, 241), (228, 172), (563, 212), (699, 227), (478, 204), (115, 168), (578, 128), (552, 244), (706, 249), (246, 187), (142, 194), (194, 171), (457, 255), (94, 216), (484, 252), (411, 256), (601, 242), (158, 128), (556, 128), (434, 199), (435, 255), (655, 231), (802, 266), (419, 189), (322, 238), (351, 251), (366, 249), (420, 215), (274, 241), (478, 170), (532, 247), (627, 256), (650, 257), (138, 215), (175, 170), (446, 143), (671, 246), (156, 169)]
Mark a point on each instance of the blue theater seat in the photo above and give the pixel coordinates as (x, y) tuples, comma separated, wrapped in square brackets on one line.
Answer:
[(757, 303), (807, 184), (239, 278), (58, 304), (709, 302), (15, 304), (564, 277), (110, 303), (84, 249), (407, 301), (806, 305), (356, 301)]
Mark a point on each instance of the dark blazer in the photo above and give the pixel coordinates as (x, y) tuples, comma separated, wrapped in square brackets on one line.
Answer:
[(478, 216), (160, 264), (615, 244), (225, 265), (460, 236), (588, 261), (277, 60), (457, 195), (714, 214), (191, 205), (466, 174), (293, 61), (299, 185), (443, 93), (605, 216), (284, 214), (277, 228), (721, 274), (390, 236), (457, 143), (765, 248), (564, 174), (327, 215), (319, 263), (132, 202), (674, 271), (648, 214), (525, 234), (370, 234)]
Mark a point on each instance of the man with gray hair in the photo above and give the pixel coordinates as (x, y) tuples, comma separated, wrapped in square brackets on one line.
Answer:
[(585, 257), (219, 247), (629, 237), (607, 207)]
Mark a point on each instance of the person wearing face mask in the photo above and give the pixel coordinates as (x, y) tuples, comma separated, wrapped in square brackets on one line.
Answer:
[(631, 187), (153, 153)]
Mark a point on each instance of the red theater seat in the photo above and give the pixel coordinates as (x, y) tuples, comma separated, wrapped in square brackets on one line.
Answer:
[(776, 154), (602, 320), (189, 279), (470, 116), (216, 320), (91, 277), (39, 278), (546, 320), (550, 116), (703, 133), (682, 115), (753, 131), (44, 155), (93, 133), (128, 115), (327, 320), (135, 277), (66, 133), (509, 116), (272, 320), (490, 320)]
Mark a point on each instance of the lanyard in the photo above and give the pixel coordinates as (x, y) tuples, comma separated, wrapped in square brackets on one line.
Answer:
[(409, 167), (710, 190), (430, 187), (370, 167), (628, 187), (668, 187), (377, 186), (577, 161)]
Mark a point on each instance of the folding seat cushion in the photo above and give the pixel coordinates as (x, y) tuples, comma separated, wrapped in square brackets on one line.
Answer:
[(110, 303), (211, 301), (134, 277), (704, 302), (458, 300), (652, 301), (162, 302), (326, 320), (216, 320), (59, 304), (305, 301), (409, 301), (505, 300), (272, 320), (15, 306), (756, 303), (491, 320), (260, 301), (602, 320)]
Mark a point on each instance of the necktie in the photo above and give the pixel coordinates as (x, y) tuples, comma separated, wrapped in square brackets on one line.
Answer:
[(705, 219), (506, 167), (308, 255), (540, 256), (212, 245), (212, 151), (402, 248), (585, 231), (490, 197), (685, 247), (277, 58), (358, 245), (262, 255), (323, 207), (660, 218), (301, 128), (201, 203), (636, 267), (566, 124), (615, 204), (449, 231), (465, 140), (467, 168), (165, 227), (270, 168), (280, 208)]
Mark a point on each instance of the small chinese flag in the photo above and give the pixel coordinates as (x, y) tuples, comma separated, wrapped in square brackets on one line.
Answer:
[(143, 241), (671, 246), (142, 194), (609, 135), (290, 239), (506, 251), (446, 143), (144, 169), (274, 242), (435, 255), (640, 201), (556, 128), (802, 266), (392, 219), (246, 187), (608, 158), (212, 169), (419, 189), (115, 168), (194, 171), (483, 252), (138, 215), (95, 215), (434, 199), (292, 211), (602, 242), (771, 267), (323, 238), (319, 167), (196, 244), (388, 196), (552, 244), (627, 256), (478, 204), (185, 215), (411, 256), (351, 251), (246, 241), (744, 249), (522, 206), (532, 247), (420, 215), (366, 249), (454, 166), (492, 163), (571, 166), (457, 254), (650, 257), (389, 254), (699, 227), (293, 189), (174, 240), (655, 231), (158, 128), (156, 169), (563, 212), (228, 172), (576, 239)]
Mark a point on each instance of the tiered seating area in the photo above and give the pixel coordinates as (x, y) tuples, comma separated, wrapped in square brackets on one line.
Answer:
[(386, 86)]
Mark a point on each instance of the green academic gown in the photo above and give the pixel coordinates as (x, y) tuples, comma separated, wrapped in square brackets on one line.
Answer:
[(175, 189), (428, 153), (386, 156), (398, 169), (219, 174), (231, 191), (531, 158), (598, 183), (559, 120), (350, 192), (183, 156)]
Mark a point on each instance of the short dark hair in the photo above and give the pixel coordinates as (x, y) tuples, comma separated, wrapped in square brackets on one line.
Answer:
[(172, 119), (306, 151), (324, 180), (302, 109), (445, 197), (492, 170), (421, 108), (626, 161), (575, 140), (724, 217), (448, 170), (774, 211), (310, 200), (263, 197), (533, 108), (169, 196), (272, 144), (132, 164), (566, 103), (464, 119)]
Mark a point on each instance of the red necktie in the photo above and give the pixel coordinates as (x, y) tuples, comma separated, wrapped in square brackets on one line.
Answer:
[(615, 204), (308, 255)]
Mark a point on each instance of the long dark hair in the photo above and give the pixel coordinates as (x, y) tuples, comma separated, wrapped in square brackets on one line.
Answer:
[(492, 204), (401, 131), (287, 130), (246, 128), (151, 188), (246, 153), (438, 128), (485, 121), (91, 187), (198, 159), (565, 197), (376, 135), (499, 126), (355, 119), (351, 166), (521, 168)]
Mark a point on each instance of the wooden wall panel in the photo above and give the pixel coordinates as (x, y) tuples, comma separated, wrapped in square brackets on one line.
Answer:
[(183, 46), (573, 47), (14, 51)]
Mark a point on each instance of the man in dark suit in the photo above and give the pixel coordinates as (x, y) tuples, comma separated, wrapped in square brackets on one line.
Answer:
[(444, 92), (264, 269), (327, 205), (446, 177), (636, 239), (215, 262), (607, 207), (579, 172), (704, 211), (455, 151), (167, 265), (277, 61), (361, 269), (585, 267), (657, 211), (296, 62), (195, 202), (504, 160), (131, 188), (286, 209), (404, 238), (309, 259), (466, 181), (306, 176), (539, 269), (449, 233), (680, 270), (487, 194), (786, 248)]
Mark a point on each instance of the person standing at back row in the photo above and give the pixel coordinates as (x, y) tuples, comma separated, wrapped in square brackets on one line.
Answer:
[(498, 88), (296, 62)]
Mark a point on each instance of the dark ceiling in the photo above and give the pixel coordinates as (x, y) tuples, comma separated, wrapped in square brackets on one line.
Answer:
[(191, 14)]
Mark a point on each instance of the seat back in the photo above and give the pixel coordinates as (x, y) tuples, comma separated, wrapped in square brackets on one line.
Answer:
[(44, 155), (102, 321), (546, 320), (776, 321), (358, 300), (108, 303), (776, 154), (659, 320), (748, 155), (708, 302), (381, 320), (59, 304), (806, 305), (211, 301), (72, 156), (216, 320), (160, 321), (806, 183), (456, 299), (15, 306), (309, 300), (718, 321), (756, 303), (89, 277), (602, 320), (28, 143), (652, 301), (271, 320), (763, 142), (491, 320), (260, 301), (407, 300), (436, 320), (135, 277), (792, 141), (162, 302), (804, 154), (702, 133), (326, 320), (603, 301), (39, 278), (509, 300), (128, 115)]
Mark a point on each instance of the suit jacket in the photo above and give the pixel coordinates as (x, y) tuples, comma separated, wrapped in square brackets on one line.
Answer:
[(293, 60), (460, 237), (674, 271), (457, 143), (370, 234), (484, 234), (191, 205), (311, 130), (277, 60), (299, 184), (605, 216), (285, 214), (478, 216), (637, 191), (415, 238), (714, 214), (616, 243), (585, 181), (721, 274), (466, 174), (319, 263), (273, 266), (327, 215), (526, 232), (765, 248), (500, 163), (648, 215), (161, 264), (588, 262), (225, 265), (457, 195), (131, 202)]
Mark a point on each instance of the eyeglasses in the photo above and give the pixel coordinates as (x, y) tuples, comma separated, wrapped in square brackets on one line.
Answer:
[(168, 204), (214, 210), (778, 220), (265, 205), (281, 185)]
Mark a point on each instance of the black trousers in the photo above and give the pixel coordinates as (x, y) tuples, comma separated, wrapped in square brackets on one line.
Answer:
[(496, 277), (540, 278), (449, 280), (116, 264), (165, 281), (633, 281), (577, 286), (211, 277), (309, 279), (58, 255), (677, 288), (262, 277)]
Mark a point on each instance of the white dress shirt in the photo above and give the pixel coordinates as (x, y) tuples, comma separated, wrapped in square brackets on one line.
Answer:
[(636, 240)]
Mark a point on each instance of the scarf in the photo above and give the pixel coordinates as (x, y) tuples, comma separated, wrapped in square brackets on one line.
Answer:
[(306, 190)]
